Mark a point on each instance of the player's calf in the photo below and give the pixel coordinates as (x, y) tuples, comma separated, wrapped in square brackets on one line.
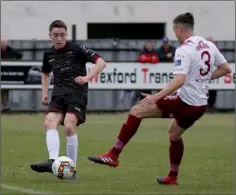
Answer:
[(130, 127), (51, 123), (70, 122), (176, 150), (175, 131), (128, 130)]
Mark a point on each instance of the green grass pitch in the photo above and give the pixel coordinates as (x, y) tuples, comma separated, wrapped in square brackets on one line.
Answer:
[(207, 166)]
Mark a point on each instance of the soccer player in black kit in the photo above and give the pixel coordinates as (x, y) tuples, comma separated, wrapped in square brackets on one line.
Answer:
[(68, 103)]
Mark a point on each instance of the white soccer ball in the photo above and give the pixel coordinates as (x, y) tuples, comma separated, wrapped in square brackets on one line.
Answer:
[(63, 167)]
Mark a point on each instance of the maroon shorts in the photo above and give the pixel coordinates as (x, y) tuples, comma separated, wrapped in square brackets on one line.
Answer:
[(185, 115)]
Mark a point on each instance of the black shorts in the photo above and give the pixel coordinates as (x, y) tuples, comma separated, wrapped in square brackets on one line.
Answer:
[(70, 103)]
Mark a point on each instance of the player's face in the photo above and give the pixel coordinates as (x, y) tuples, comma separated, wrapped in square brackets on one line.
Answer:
[(178, 32), (149, 46), (58, 37)]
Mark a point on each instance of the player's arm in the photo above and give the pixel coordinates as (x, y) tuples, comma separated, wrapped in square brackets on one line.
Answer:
[(100, 64), (46, 70), (95, 58), (221, 71), (223, 68), (181, 68), (175, 84)]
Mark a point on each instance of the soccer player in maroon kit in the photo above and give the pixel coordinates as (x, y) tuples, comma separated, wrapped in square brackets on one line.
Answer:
[(184, 99)]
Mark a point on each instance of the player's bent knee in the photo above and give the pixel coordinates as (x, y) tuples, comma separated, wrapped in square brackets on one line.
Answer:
[(174, 137), (69, 129), (47, 124), (50, 124), (136, 111), (174, 131), (51, 121), (70, 124)]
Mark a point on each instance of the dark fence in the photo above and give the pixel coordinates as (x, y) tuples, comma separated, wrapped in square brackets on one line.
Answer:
[(110, 49)]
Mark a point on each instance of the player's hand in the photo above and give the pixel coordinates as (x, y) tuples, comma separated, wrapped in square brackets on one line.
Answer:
[(81, 80), (149, 99), (169, 55), (45, 100)]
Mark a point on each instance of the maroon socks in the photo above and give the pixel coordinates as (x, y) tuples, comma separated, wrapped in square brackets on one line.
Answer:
[(176, 151), (127, 131)]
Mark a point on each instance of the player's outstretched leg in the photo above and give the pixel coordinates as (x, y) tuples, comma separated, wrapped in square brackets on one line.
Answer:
[(52, 121), (70, 123), (176, 150), (127, 131)]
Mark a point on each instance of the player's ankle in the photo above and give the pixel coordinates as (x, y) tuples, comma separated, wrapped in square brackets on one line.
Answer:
[(173, 174), (173, 177), (115, 152)]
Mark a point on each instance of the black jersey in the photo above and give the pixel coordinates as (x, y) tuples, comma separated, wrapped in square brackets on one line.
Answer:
[(67, 64)]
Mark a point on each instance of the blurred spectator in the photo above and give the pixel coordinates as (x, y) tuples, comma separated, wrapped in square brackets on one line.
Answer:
[(7, 53), (212, 93), (127, 99), (212, 40), (166, 52), (148, 54)]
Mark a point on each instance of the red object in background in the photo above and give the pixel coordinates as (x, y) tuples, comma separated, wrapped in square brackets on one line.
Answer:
[(148, 58)]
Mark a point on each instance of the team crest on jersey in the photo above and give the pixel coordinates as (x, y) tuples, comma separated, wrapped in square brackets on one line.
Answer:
[(177, 62), (67, 62)]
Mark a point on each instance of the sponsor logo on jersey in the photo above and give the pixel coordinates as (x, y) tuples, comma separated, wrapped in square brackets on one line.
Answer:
[(177, 62)]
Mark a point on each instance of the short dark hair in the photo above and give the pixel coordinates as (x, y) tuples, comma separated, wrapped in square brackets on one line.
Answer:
[(186, 19), (57, 24)]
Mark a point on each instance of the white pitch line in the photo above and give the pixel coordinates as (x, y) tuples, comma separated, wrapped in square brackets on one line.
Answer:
[(23, 190)]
